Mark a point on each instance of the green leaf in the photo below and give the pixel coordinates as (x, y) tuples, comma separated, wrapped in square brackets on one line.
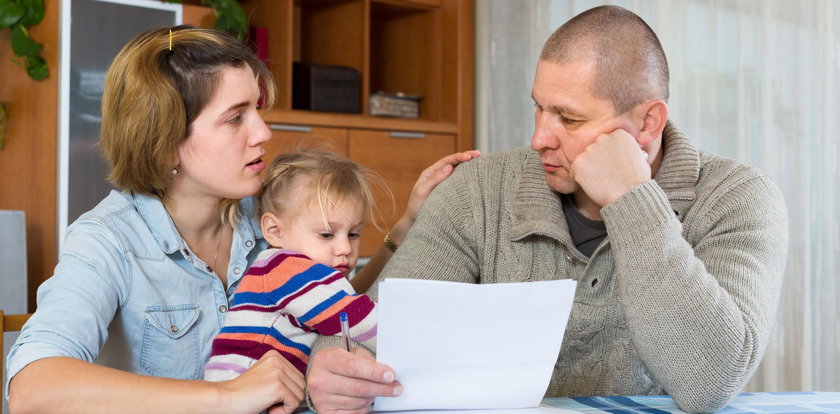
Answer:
[(36, 67), (22, 44), (34, 12), (10, 13), (230, 17)]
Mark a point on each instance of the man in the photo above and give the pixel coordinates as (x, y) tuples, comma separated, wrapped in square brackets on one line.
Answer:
[(678, 276)]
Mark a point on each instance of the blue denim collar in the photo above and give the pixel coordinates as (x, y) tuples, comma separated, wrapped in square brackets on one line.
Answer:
[(167, 236)]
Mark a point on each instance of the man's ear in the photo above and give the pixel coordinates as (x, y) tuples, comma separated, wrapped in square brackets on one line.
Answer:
[(653, 115), (272, 229)]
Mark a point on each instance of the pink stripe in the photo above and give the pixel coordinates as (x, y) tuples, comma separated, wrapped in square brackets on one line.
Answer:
[(263, 262), (224, 366), (272, 262), (365, 336)]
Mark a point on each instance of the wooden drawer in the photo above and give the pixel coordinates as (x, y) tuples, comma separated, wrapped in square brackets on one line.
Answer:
[(288, 138), (399, 157)]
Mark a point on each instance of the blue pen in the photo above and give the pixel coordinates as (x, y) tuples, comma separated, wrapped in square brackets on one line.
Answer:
[(345, 330)]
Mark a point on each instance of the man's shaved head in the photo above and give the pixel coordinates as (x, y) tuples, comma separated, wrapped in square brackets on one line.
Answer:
[(630, 64)]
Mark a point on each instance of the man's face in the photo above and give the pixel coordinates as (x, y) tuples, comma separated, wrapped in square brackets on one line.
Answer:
[(567, 118)]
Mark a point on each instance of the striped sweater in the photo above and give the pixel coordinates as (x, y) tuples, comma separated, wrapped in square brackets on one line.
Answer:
[(283, 302)]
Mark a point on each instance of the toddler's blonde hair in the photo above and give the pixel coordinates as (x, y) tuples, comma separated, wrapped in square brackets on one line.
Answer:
[(314, 177)]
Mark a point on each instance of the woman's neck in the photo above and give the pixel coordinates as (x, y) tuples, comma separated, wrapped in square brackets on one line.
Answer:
[(194, 218), (199, 222)]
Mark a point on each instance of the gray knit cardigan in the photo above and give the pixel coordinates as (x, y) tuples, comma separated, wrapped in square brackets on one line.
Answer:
[(680, 298)]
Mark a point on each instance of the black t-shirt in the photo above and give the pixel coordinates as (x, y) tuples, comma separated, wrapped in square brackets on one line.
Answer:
[(587, 234)]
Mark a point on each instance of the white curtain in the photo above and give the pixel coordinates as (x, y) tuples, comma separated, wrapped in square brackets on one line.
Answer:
[(754, 80)]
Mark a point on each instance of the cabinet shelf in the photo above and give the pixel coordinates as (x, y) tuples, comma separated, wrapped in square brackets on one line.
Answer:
[(329, 119)]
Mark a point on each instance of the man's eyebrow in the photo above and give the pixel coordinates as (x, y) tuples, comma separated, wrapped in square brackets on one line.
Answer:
[(565, 110), (559, 109)]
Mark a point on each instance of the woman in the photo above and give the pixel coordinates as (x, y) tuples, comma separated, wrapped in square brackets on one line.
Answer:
[(142, 285)]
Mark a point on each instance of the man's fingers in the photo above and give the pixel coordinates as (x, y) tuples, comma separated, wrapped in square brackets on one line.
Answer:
[(355, 388), (359, 364)]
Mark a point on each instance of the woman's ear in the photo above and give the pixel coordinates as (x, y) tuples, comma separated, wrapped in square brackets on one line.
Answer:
[(272, 229), (654, 116)]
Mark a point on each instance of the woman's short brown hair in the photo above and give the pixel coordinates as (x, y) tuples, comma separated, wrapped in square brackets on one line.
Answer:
[(155, 88)]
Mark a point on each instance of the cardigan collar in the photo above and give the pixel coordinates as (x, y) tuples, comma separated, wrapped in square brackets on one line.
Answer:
[(538, 209)]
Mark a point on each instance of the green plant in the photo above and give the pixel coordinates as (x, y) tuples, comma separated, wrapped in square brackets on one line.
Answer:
[(230, 16), (18, 15)]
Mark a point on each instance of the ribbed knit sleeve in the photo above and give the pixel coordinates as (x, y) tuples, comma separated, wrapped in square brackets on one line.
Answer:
[(701, 301)]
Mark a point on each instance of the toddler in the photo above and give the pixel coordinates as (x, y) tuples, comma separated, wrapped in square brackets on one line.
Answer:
[(312, 207)]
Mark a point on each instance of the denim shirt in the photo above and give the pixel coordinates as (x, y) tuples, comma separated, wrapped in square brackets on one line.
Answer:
[(129, 294)]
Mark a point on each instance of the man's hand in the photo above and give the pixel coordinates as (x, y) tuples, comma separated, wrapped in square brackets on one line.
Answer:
[(610, 167), (348, 381)]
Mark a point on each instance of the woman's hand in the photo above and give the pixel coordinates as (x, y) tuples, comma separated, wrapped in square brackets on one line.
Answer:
[(348, 382), (271, 382), (428, 180)]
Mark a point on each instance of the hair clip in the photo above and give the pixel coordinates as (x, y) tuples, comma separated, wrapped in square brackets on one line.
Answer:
[(170, 40)]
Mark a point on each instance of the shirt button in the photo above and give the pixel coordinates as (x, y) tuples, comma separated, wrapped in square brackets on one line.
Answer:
[(223, 309), (209, 269), (569, 258), (249, 243), (174, 328), (236, 270), (186, 253)]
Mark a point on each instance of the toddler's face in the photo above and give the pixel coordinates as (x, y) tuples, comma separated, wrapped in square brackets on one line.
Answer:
[(336, 246)]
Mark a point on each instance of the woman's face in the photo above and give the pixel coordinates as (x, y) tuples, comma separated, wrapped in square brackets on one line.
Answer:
[(222, 156)]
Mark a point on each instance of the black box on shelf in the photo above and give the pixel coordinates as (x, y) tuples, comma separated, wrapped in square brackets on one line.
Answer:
[(325, 88)]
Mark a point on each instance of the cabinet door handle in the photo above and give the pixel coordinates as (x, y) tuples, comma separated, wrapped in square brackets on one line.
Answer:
[(292, 128), (398, 134)]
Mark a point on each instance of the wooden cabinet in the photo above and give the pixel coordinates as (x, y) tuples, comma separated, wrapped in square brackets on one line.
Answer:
[(400, 157), (418, 47)]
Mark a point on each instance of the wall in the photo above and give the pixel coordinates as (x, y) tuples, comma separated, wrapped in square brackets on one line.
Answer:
[(28, 161)]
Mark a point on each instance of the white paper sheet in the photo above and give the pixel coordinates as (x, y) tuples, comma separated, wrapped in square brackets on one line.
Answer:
[(469, 346), (543, 409)]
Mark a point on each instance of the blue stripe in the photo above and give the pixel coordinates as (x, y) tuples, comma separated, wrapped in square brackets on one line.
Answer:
[(625, 401), (295, 283), (631, 403), (261, 330), (322, 306), (591, 401)]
